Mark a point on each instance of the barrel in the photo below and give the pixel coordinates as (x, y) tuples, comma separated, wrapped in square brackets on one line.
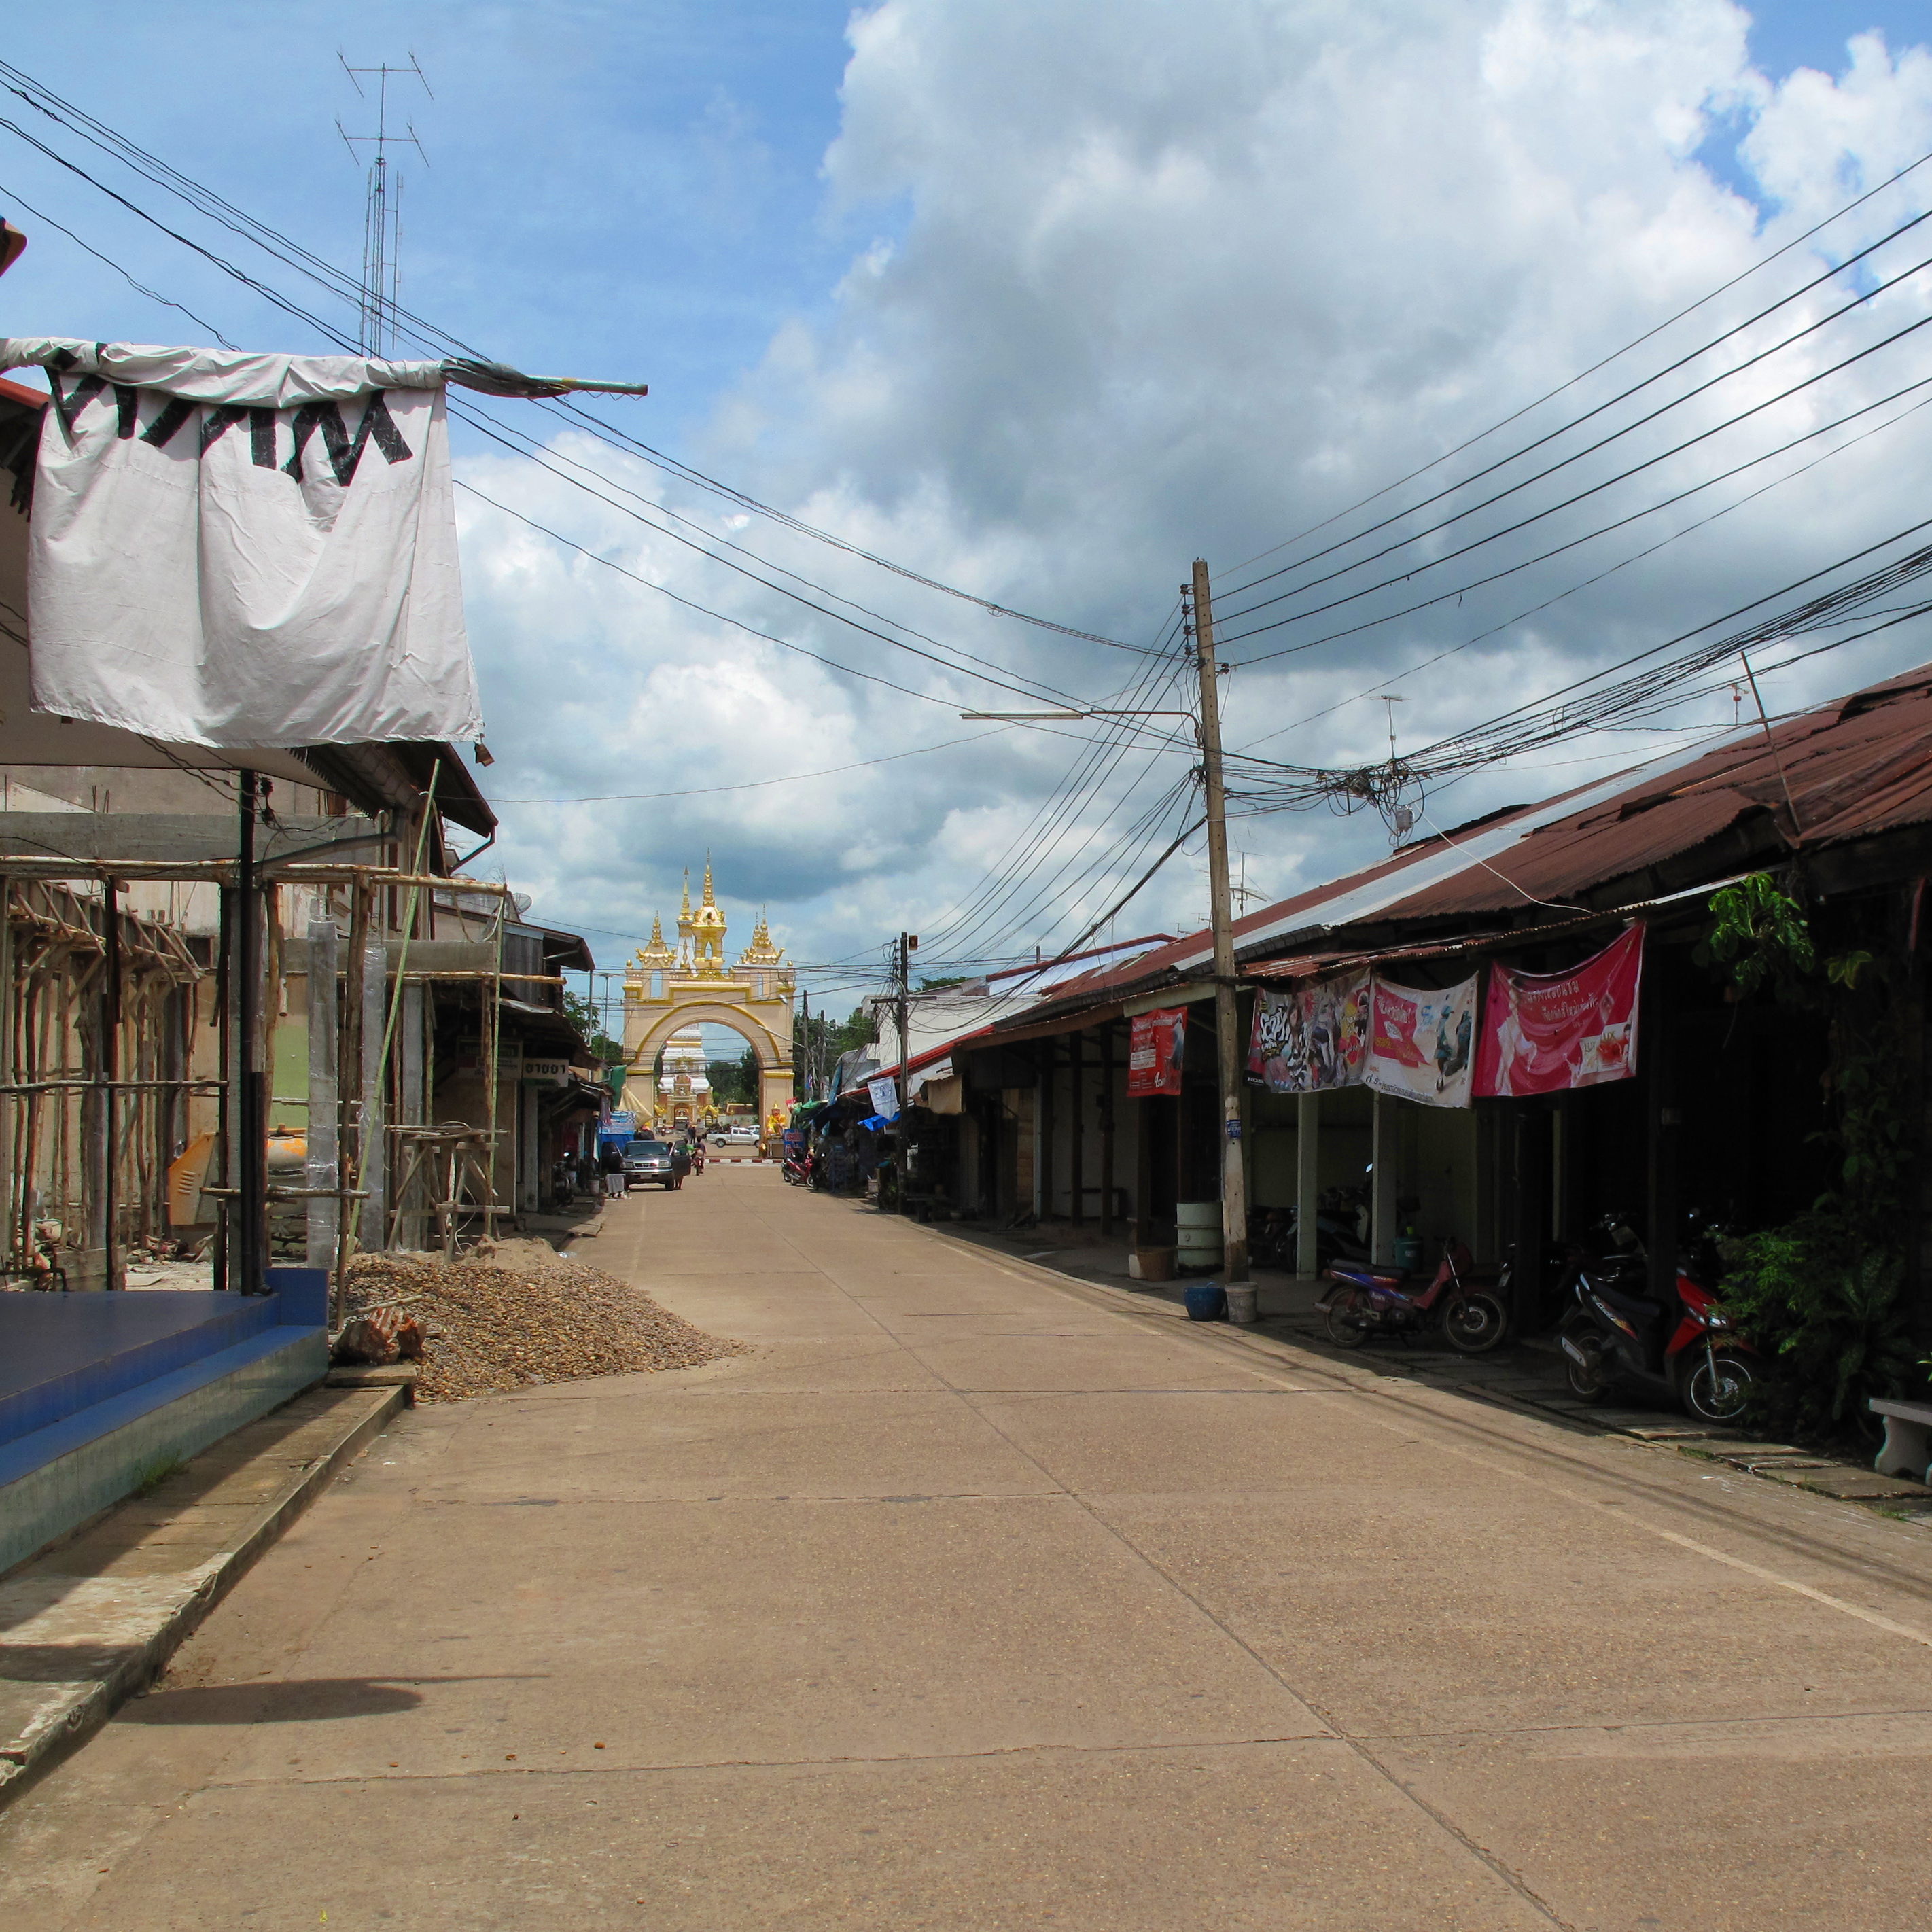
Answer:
[(1198, 1233)]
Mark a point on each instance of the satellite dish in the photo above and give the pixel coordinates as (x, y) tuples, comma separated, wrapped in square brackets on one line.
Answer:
[(522, 902)]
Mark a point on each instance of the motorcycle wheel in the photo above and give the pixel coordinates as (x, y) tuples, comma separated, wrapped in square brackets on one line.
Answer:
[(1474, 1322), (1348, 1322), (1721, 1397), (1588, 1382)]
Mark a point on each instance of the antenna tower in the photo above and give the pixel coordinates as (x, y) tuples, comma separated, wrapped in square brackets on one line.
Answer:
[(383, 214)]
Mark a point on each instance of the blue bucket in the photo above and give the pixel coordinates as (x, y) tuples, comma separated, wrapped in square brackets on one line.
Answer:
[(1206, 1302)]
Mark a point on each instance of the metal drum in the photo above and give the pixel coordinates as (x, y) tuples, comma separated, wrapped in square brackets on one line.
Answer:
[(1198, 1233)]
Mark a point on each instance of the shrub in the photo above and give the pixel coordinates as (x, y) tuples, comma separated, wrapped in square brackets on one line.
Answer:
[(1828, 1316)]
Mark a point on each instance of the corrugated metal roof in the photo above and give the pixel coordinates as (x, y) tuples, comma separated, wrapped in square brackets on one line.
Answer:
[(1858, 766)]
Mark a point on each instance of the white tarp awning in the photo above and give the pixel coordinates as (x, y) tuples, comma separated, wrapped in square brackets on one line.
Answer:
[(236, 549)]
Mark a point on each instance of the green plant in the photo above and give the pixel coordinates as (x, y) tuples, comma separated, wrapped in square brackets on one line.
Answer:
[(1758, 930), (1827, 1313)]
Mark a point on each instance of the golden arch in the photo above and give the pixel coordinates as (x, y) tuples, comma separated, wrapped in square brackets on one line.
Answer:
[(651, 1043)]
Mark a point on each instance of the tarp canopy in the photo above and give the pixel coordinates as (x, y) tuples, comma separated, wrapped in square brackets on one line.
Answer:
[(228, 550)]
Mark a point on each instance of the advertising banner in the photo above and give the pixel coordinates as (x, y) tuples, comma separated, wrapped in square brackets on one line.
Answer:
[(1312, 1037), (885, 1092), (1156, 1043), (1421, 1042), (1544, 1032), (240, 550)]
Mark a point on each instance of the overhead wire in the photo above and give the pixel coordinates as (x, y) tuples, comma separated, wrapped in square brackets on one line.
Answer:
[(1860, 301), (1604, 362)]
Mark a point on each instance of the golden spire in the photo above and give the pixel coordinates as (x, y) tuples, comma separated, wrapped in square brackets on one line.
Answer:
[(657, 953), (708, 899), (685, 912), (761, 952)]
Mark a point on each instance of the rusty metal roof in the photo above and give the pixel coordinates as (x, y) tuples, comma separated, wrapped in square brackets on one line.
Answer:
[(1857, 767)]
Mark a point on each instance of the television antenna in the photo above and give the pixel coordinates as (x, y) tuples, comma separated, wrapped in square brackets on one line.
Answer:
[(382, 212)]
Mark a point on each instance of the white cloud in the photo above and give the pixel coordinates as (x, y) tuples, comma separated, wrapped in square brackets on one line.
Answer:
[(1141, 282)]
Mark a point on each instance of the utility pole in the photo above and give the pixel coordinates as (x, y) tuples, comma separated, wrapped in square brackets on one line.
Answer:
[(1240, 1290), (908, 946)]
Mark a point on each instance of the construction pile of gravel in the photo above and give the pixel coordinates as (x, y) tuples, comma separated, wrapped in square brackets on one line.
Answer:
[(523, 1315)]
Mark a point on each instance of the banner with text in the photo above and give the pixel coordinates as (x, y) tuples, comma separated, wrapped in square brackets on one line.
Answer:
[(1312, 1037), (1545, 1032), (1421, 1042), (1156, 1043)]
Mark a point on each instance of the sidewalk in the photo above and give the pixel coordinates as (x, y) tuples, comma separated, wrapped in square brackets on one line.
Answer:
[(983, 1596)]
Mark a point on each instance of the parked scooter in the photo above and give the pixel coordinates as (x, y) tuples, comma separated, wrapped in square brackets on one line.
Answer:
[(1616, 1337), (1367, 1300), (801, 1169)]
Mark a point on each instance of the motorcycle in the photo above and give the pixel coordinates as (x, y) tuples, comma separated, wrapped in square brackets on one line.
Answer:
[(1369, 1301), (801, 1169), (1274, 1239), (1616, 1337)]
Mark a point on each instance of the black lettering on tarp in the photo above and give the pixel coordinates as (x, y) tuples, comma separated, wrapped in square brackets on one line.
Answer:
[(262, 438), (377, 421), (218, 422), (304, 426), (69, 403), (345, 457), (128, 410), (172, 414)]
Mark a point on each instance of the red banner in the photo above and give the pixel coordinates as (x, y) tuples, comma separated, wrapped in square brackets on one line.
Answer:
[(1156, 1042), (1545, 1032)]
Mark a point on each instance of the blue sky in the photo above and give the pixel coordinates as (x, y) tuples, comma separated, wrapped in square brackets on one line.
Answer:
[(1041, 299)]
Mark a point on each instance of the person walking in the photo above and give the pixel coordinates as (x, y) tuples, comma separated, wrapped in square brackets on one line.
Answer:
[(611, 1160)]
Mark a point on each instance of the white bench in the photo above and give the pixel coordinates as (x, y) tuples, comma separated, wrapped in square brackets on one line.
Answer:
[(1907, 1450)]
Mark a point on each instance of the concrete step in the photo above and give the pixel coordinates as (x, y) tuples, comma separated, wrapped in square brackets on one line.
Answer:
[(94, 1621)]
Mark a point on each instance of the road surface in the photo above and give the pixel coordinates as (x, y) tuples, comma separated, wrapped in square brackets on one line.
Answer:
[(976, 1597)]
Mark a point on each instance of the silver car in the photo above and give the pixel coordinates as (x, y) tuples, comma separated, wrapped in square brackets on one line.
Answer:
[(649, 1163)]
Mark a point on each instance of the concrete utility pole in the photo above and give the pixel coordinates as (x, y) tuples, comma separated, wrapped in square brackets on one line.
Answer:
[(1240, 1290), (908, 946)]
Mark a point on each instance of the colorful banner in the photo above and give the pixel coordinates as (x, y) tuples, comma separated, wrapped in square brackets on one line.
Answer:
[(1545, 1032), (1312, 1037), (1421, 1040), (1156, 1042)]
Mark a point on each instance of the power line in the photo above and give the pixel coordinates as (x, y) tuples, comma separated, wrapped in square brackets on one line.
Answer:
[(1583, 375), (1562, 429)]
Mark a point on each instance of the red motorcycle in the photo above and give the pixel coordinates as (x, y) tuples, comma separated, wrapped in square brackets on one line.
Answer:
[(1614, 1338), (1368, 1300)]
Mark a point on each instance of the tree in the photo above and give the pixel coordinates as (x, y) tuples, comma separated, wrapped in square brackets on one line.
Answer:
[(584, 1014), (816, 1046)]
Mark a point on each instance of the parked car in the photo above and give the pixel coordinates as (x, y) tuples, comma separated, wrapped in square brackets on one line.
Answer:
[(735, 1137), (649, 1163)]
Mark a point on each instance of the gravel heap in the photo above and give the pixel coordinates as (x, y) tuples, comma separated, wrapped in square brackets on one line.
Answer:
[(490, 1328)]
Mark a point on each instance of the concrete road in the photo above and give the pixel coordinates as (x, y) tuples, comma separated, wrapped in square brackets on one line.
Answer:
[(977, 1598)]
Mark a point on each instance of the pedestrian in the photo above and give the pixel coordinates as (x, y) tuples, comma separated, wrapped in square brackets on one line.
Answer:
[(612, 1162)]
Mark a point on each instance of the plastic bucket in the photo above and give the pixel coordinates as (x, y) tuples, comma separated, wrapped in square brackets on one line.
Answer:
[(1206, 1302), (1409, 1252), (1198, 1233)]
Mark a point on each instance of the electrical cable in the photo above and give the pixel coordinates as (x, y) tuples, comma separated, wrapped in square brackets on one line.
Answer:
[(1595, 489), (1859, 301), (1550, 395)]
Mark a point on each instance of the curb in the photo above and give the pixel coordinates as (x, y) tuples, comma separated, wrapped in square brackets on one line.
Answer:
[(127, 1625)]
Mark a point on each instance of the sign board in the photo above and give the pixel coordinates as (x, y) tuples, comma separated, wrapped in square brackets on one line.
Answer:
[(1156, 1042), (555, 1072), (1545, 1032), (885, 1092), (1421, 1042), (1313, 1037)]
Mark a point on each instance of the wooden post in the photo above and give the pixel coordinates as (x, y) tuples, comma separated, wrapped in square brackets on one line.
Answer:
[(411, 1110), (1043, 1135), (110, 1075), (1107, 1130), (1076, 1127), (12, 1241), (373, 1151), (1307, 1184), (324, 1100), (1240, 1292)]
